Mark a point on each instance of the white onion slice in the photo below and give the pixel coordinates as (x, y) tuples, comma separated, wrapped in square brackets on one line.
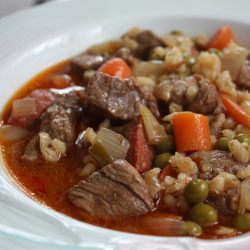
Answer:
[(115, 144), (233, 57), (149, 68), (24, 107), (163, 225), (9, 133), (154, 130)]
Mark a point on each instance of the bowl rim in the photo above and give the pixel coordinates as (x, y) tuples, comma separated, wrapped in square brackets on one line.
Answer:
[(201, 242)]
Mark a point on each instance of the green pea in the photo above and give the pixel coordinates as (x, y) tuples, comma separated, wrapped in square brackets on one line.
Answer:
[(203, 214), (243, 138), (242, 221), (222, 144), (196, 191), (192, 229), (162, 160), (166, 145)]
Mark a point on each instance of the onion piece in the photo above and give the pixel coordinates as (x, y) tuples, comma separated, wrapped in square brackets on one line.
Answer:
[(89, 136), (149, 68), (99, 154), (24, 107), (9, 133), (244, 203), (115, 144), (233, 57), (154, 130), (108, 145), (163, 224)]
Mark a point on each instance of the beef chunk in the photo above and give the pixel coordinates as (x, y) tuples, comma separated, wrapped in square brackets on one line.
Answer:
[(59, 121), (147, 40), (116, 98), (226, 202), (140, 153), (125, 54), (172, 90), (148, 99), (243, 78), (88, 61), (32, 152), (115, 190), (206, 101), (211, 163)]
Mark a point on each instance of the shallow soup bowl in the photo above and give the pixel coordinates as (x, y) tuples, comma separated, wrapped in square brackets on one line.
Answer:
[(33, 40)]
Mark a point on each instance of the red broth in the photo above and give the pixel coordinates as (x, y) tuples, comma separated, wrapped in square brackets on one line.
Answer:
[(48, 183)]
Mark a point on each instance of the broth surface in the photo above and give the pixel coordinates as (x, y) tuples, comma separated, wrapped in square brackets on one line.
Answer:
[(48, 183)]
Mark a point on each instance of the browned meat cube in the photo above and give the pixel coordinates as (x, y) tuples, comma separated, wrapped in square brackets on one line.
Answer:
[(116, 98), (115, 190)]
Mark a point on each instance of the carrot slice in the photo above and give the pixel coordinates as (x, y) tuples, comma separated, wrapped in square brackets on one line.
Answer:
[(191, 132), (116, 67), (222, 38), (235, 110)]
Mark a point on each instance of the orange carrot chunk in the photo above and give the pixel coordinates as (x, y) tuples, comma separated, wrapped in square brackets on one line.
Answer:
[(222, 38), (191, 132), (116, 67), (235, 110)]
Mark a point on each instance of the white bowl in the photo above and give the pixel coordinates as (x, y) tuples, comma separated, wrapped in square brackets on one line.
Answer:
[(33, 40)]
